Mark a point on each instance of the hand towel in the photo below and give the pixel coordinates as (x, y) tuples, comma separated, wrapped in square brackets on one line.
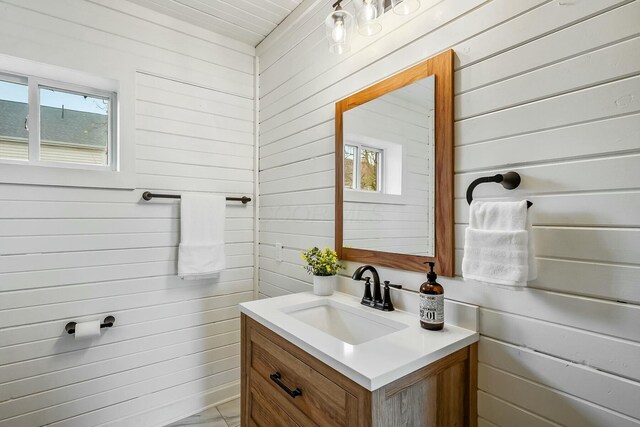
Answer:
[(499, 244), (201, 253)]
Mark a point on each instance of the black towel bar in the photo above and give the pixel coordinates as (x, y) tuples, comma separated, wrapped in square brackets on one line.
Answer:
[(147, 195), (509, 180)]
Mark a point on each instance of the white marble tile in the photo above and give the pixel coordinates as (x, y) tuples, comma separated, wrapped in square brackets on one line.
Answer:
[(231, 412), (209, 418)]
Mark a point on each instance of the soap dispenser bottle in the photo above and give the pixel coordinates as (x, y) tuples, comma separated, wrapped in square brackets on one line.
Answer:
[(431, 302)]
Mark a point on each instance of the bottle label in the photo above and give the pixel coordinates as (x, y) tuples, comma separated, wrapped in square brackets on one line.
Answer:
[(432, 308)]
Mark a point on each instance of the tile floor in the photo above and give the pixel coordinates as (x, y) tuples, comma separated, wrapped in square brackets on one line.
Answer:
[(225, 415)]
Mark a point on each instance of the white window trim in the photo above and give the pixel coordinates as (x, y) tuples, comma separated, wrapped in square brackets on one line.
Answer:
[(33, 121), (355, 179), (119, 174), (112, 136), (360, 196)]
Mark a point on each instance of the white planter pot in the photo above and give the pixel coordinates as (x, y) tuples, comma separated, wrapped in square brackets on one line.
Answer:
[(324, 285)]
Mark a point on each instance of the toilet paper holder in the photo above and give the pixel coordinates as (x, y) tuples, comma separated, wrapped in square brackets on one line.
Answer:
[(107, 323)]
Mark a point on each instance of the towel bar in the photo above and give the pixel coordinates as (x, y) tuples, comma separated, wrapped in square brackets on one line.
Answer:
[(147, 195), (509, 180)]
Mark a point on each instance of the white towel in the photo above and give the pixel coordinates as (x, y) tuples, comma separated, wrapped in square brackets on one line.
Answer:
[(201, 253), (499, 244)]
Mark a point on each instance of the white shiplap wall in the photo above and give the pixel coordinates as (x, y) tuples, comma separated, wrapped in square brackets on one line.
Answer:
[(80, 254), (548, 88)]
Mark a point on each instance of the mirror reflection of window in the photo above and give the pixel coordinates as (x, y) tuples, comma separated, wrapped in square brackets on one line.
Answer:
[(350, 152), (370, 162), (363, 168)]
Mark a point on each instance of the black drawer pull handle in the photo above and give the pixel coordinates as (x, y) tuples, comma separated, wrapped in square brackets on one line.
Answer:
[(276, 379)]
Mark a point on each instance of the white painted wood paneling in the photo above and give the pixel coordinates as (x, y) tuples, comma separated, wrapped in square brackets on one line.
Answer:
[(80, 254), (249, 21), (547, 88)]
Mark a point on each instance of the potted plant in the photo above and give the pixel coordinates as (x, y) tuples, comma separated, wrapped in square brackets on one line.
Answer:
[(323, 265)]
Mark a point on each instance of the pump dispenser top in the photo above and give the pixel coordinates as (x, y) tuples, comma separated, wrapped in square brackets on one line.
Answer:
[(431, 275)]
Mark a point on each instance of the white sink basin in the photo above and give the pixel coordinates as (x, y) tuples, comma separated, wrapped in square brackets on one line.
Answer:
[(348, 324)]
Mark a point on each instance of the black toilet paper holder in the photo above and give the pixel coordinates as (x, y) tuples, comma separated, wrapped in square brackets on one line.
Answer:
[(107, 323)]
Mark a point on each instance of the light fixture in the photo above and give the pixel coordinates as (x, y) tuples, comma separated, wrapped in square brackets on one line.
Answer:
[(339, 27), (367, 13), (339, 23), (405, 7)]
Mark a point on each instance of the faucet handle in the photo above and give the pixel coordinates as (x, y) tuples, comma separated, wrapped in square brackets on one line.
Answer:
[(367, 298), (388, 285), (387, 305)]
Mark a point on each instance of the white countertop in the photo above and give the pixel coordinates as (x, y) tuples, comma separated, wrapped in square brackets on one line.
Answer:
[(372, 364)]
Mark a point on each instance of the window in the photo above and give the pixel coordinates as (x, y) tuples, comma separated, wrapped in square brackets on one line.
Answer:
[(49, 123), (349, 168), (363, 168), (14, 109), (66, 127), (370, 162)]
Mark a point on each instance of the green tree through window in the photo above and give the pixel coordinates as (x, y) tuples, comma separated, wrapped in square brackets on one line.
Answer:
[(369, 164), (349, 163), (362, 168)]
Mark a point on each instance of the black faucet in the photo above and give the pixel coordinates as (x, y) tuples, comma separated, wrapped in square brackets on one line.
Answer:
[(377, 296), (377, 301)]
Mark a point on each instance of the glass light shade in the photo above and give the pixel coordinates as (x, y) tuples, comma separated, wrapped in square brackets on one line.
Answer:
[(405, 7), (367, 17), (339, 29)]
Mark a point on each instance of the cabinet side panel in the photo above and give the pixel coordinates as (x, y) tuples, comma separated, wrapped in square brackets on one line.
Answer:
[(452, 392), (472, 396), (436, 395), (414, 405)]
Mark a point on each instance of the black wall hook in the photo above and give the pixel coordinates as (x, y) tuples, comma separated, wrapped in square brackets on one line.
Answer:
[(509, 180), (107, 323)]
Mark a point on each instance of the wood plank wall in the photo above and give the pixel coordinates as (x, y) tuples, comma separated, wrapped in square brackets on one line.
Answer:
[(80, 254), (549, 88)]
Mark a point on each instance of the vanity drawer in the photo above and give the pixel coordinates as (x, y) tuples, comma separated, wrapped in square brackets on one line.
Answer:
[(265, 413), (320, 402)]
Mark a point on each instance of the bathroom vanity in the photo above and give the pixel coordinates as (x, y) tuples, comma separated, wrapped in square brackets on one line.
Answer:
[(329, 361)]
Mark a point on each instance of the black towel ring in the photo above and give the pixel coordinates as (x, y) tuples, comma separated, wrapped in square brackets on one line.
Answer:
[(509, 180)]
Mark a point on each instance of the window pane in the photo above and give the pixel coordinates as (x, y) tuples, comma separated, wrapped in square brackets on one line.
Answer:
[(369, 161), (14, 108), (73, 128), (349, 163)]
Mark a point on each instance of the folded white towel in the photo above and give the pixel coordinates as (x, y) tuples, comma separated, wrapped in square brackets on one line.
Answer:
[(499, 244), (201, 254)]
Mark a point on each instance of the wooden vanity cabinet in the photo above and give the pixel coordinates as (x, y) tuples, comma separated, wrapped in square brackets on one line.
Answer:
[(274, 371)]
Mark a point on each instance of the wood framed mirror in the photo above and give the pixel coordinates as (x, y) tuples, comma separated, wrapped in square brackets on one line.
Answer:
[(394, 170)]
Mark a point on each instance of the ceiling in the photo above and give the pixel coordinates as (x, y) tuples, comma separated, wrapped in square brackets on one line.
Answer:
[(248, 21)]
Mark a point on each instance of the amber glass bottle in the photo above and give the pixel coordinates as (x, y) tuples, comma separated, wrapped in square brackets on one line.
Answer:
[(431, 302)]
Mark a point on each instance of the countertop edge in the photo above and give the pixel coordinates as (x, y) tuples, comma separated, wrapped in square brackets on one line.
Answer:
[(391, 376)]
